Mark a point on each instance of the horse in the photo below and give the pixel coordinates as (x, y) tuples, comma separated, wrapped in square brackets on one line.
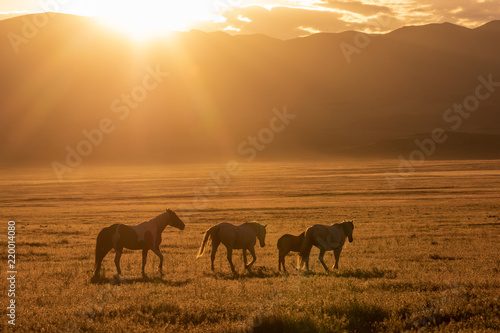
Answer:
[(326, 238), (145, 236), (288, 243), (234, 237)]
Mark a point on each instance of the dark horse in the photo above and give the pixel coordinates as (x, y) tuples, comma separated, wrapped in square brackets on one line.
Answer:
[(326, 238), (234, 237), (288, 243), (145, 236)]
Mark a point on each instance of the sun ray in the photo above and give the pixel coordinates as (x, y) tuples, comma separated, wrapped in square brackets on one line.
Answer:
[(149, 19)]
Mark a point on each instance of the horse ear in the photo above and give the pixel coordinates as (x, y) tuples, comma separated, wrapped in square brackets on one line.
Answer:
[(265, 226)]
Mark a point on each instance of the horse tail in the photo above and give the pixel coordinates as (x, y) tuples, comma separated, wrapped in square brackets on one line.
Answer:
[(305, 249), (208, 237)]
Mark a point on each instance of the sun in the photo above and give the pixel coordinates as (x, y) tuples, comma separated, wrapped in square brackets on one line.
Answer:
[(150, 18)]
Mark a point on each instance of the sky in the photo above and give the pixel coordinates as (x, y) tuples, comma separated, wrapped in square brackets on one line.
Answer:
[(277, 18)]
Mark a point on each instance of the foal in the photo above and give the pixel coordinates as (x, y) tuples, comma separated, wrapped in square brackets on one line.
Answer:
[(288, 243)]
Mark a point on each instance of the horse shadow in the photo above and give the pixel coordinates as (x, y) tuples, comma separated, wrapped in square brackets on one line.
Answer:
[(256, 272), (144, 279), (362, 274), (365, 274)]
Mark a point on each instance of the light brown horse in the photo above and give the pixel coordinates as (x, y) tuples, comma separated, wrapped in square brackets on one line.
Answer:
[(326, 238), (145, 236), (288, 243), (234, 237)]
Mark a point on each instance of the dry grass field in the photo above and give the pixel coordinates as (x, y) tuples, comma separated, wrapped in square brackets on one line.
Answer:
[(425, 255)]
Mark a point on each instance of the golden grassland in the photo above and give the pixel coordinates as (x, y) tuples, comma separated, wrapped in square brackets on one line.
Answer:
[(424, 256)]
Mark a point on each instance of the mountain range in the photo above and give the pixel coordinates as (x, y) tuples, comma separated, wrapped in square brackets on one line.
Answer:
[(197, 96)]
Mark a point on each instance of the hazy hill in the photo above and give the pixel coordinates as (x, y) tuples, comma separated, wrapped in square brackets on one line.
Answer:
[(413, 147), (221, 89)]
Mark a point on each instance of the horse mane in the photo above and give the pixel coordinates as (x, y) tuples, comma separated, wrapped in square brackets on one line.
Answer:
[(255, 225), (159, 219), (344, 226)]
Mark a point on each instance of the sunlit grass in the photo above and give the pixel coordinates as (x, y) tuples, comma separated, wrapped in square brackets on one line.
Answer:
[(418, 261)]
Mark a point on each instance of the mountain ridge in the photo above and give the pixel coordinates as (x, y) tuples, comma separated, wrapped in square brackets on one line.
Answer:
[(223, 88)]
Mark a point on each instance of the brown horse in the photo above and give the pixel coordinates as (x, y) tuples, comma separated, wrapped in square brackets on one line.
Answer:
[(241, 237), (326, 238), (145, 236), (288, 243)]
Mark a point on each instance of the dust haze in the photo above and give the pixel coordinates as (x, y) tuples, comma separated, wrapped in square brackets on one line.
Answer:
[(397, 132)]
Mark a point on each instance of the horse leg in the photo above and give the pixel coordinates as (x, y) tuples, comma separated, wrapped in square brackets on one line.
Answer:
[(144, 259), (245, 257), (252, 252), (281, 260), (215, 245), (230, 258), (158, 253), (306, 263), (321, 254), (117, 260), (337, 256)]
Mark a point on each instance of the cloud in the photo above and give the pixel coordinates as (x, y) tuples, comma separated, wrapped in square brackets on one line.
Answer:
[(356, 7), (286, 19), (288, 22), (289, 19), (464, 12), (13, 13)]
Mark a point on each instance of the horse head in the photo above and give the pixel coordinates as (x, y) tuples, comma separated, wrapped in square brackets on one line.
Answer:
[(348, 227), (174, 220), (261, 235)]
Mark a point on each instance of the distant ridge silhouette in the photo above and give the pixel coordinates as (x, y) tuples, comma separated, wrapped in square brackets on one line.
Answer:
[(221, 89)]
